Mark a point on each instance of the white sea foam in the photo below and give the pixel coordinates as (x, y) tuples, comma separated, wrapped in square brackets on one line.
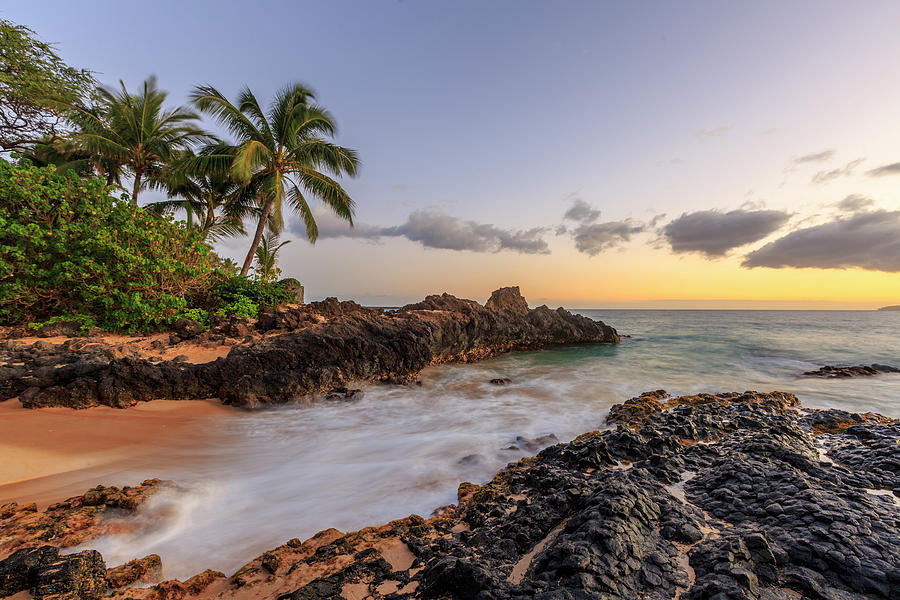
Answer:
[(291, 471)]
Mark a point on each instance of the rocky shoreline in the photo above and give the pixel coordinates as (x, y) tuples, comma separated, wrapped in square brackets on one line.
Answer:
[(291, 353), (709, 496)]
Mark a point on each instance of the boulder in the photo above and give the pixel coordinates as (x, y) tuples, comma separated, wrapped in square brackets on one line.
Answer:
[(47, 574), (840, 372), (61, 328), (79, 576), (187, 328), (18, 572)]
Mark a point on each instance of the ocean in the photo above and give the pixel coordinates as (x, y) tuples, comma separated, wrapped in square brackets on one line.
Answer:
[(292, 471)]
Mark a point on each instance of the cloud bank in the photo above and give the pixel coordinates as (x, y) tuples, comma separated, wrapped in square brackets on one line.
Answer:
[(714, 233), (866, 240), (433, 228)]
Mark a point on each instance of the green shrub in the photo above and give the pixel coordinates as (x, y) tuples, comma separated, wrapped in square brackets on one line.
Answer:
[(195, 314), (241, 306), (243, 297), (85, 322), (69, 250)]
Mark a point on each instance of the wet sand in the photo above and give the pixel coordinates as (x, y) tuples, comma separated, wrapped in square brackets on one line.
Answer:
[(53, 453)]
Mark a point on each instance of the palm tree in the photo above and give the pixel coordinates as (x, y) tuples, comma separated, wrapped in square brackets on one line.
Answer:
[(218, 203), (135, 132), (284, 153), (60, 154), (267, 257)]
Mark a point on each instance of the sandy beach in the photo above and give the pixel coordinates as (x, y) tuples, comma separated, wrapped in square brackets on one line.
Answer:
[(51, 453)]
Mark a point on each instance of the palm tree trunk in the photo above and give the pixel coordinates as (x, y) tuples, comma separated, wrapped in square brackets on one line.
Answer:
[(210, 216), (260, 228), (137, 186)]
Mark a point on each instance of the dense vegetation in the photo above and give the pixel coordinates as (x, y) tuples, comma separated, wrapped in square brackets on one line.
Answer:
[(75, 243), (73, 252)]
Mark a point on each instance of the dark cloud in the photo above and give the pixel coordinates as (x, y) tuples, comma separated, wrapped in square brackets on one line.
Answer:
[(593, 238), (826, 176), (436, 229), (582, 211), (891, 169), (855, 203), (714, 233), (433, 228), (867, 240), (815, 157)]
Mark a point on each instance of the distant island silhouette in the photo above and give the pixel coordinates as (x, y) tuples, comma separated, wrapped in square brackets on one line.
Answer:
[(894, 307)]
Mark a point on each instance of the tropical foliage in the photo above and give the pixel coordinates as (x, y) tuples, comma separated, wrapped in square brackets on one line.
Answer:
[(284, 153), (213, 203), (69, 250), (242, 296), (135, 132), (267, 256)]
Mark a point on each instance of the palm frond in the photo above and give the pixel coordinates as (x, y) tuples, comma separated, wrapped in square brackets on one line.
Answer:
[(299, 203)]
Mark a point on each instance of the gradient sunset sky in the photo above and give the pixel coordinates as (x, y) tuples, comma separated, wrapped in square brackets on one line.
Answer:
[(597, 154)]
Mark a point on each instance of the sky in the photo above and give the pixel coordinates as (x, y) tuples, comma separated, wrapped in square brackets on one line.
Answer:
[(597, 154)]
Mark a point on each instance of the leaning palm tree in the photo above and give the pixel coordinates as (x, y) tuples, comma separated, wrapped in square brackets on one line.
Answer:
[(284, 153), (267, 257), (135, 132)]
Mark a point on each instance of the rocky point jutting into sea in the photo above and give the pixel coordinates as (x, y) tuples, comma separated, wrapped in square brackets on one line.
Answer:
[(719, 496), (291, 352)]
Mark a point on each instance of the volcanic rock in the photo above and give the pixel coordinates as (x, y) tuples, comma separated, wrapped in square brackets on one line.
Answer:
[(187, 328), (829, 371), (508, 298), (700, 497), (147, 569), (47, 574), (355, 343), (710, 496)]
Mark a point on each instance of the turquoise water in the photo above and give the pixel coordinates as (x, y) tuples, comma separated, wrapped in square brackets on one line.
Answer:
[(292, 471), (687, 351)]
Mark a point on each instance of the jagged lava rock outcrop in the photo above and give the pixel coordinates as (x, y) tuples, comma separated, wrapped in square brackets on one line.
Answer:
[(309, 349), (712, 496)]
